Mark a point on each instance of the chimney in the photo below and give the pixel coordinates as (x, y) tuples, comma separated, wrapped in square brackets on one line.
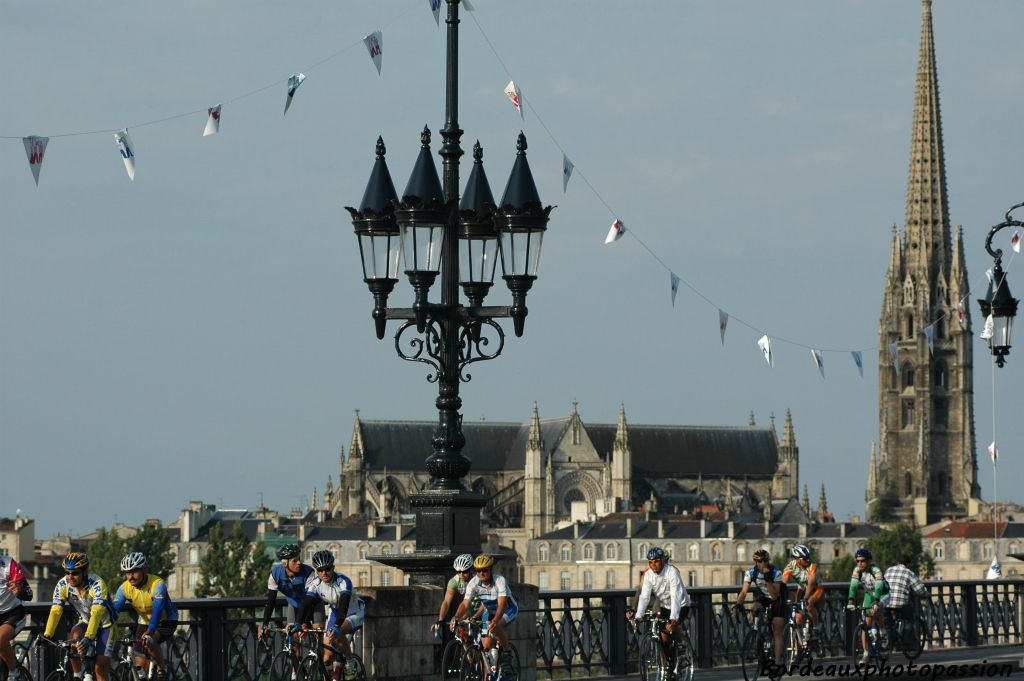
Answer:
[(803, 530), (301, 532), (731, 529), (661, 529), (576, 530), (398, 531), (629, 528), (371, 529), (842, 530)]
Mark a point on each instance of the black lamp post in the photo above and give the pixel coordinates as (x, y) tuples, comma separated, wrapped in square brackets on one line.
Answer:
[(438, 237), (998, 303)]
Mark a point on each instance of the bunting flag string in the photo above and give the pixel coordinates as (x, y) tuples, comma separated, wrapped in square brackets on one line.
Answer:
[(961, 312), (1015, 242), (213, 122), (124, 145), (894, 352), (858, 360), (435, 7), (929, 333), (294, 81), (993, 452), (35, 149)]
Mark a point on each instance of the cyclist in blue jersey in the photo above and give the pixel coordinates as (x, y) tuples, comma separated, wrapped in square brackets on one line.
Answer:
[(288, 577), (347, 611)]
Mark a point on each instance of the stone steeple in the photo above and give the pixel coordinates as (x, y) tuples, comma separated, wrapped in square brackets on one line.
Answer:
[(822, 503), (622, 464), (871, 491), (926, 463), (534, 480), (786, 482), (806, 503)]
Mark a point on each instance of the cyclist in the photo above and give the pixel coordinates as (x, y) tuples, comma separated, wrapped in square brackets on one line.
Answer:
[(767, 580), (876, 594), (809, 586), (904, 584), (14, 591), (456, 588), (492, 589), (664, 582), (158, 618), (347, 611), (88, 595), (289, 577)]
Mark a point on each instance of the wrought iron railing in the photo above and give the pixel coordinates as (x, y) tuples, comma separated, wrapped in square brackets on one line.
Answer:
[(578, 633)]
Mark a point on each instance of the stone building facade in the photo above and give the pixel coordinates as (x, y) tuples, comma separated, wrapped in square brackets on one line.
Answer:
[(926, 464)]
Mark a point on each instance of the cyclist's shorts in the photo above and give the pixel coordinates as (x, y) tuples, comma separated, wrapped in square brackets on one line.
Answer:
[(776, 608), (163, 632), (14, 618), (872, 604), (507, 617), (104, 644), (355, 620)]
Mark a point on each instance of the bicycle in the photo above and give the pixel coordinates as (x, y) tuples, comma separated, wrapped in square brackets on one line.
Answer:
[(454, 655), (796, 646), (496, 664), (126, 669), (759, 647), (67, 651), (879, 644), (313, 668), (4, 672), (284, 665), (660, 661), (906, 632)]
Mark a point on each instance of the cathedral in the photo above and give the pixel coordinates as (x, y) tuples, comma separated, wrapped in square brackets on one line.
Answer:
[(925, 467), (543, 473)]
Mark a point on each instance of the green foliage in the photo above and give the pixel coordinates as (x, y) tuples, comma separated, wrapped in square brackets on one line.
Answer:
[(105, 557), (154, 541), (232, 566), (882, 509), (841, 569), (888, 547), (106, 552)]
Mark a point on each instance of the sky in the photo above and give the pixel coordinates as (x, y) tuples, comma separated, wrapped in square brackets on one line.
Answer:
[(204, 332)]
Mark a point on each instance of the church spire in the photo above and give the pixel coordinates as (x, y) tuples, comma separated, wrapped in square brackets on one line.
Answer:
[(788, 437), (621, 433), (355, 450), (535, 441), (927, 218), (806, 503), (822, 502), (895, 274), (752, 422)]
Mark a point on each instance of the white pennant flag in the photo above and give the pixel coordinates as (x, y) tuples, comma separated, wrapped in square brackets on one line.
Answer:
[(468, 6), (127, 149), (674, 283), (723, 321), (894, 352), (961, 312), (819, 362), (859, 361), (616, 231), (213, 122), (435, 7), (995, 570), (515, 95), (567, 167), (988, 275), (35, 149), (294, 81), (765, 343), (375, 45), (990, 328), (929, 333), (1015, 242), (993, 452)]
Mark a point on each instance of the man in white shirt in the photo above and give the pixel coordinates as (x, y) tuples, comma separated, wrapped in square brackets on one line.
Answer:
[(663, 581)]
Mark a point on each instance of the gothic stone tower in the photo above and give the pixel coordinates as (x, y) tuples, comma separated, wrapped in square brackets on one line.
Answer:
[(927, 466)]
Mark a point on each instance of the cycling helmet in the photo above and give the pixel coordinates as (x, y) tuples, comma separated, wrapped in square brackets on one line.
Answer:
[(75, 561), (483, 562), (463, 562), (800, 551), (762, 556), (862, 553), (656, 553), (134, 561), (288, 551), (323, 559)]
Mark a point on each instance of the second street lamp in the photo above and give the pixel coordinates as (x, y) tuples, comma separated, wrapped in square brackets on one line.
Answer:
[(998, 306)]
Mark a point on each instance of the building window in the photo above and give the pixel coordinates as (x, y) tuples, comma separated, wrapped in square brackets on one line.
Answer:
[(692, 552), (193, 554), (588, 552), (691, 578), (172, 581), (543, 553), (1014, 548), (908, 376), (364, 579), (609, 579), (940, 412), (908, 484), (986, 551), (716, 552), (362, 551), (408, 549), (641, 552), (385, 578), (937, 551), (542, 580), (565, 581), (908, 413), (611, 551), (837, 550), (386, 549), (193, 577), (588, 580), (940, 377), (741, 552), (565, 553)]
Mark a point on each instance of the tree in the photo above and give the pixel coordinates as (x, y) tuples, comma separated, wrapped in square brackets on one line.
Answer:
[(105, 555), (841, 569), (155, 541), (234, 566), (890, 546), (883, 509)]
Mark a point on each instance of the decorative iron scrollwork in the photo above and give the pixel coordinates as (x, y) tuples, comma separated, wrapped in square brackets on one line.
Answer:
[(428, 349), (473, 344)]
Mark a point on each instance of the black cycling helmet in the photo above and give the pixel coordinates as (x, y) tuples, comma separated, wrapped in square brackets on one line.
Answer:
[(323, 559), (288, 551), (863, 553)]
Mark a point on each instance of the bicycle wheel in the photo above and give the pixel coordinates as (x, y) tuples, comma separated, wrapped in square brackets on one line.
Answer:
[(683, 668), (313, 669), (474, 665), (508, 665), (282, 666), (912, 641), (354, 668), (451, 660), (649, 650), (24, 672), (122, 672), (753, 649), (59, 675)]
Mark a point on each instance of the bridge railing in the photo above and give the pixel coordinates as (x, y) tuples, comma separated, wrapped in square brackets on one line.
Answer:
[(578, 633)]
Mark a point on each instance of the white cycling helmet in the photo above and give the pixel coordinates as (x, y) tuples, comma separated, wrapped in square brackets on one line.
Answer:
[(800, 551), (463, 563), (134, 561)]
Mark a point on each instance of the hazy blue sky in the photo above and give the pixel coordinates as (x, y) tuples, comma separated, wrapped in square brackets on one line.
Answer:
[(204, 331)]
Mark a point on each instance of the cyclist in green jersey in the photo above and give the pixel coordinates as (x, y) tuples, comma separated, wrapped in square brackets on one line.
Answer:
[(876, 593), (455, 589)]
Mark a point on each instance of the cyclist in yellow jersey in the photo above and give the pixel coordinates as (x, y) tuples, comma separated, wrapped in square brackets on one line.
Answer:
[(158, 618), (89, 597)]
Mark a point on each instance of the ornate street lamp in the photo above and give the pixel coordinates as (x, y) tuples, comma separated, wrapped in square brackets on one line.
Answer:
[(998, 303), (452, 244)]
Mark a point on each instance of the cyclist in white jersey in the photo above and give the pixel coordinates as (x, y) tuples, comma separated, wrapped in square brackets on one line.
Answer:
[(14, 590), (663, 582), (492, 590), (347, 610)]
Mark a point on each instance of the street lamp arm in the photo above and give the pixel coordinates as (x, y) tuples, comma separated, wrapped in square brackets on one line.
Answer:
[(464, 314), (997, 254)]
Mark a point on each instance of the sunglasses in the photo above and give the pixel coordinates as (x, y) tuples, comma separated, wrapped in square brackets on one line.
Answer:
[(484, 571), (862, 560), (74, 573), (326, 569)]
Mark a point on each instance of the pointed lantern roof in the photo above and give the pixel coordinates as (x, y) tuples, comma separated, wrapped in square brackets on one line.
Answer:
[(377, 209), (424, 188), (477, 201)]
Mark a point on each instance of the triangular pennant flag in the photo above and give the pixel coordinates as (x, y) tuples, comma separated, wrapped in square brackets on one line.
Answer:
[(859, 361), (819, 362), (929, 333), (988, 275), (35, 149), (673, 281), (765, 343), (616, 231), (723, 321), (894, 352), (294, 81), (375, 46), (435, 7), (995, 570), (567, 167), (127, 149), (1015, 242), (993, 452), (515, 95), (961, 312), (213, 122), (990, 328), (468, 6)]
